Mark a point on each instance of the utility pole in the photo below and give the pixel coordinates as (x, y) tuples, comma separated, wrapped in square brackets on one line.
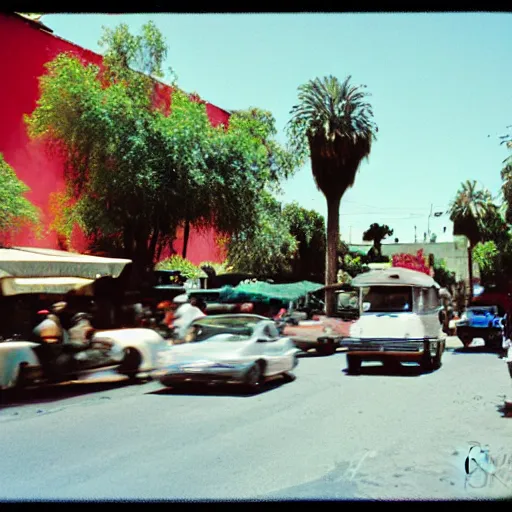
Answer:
[(428, 222)]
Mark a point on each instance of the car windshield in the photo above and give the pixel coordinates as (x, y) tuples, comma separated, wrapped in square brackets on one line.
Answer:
[(482, 311), (384, 299), (205, 329)]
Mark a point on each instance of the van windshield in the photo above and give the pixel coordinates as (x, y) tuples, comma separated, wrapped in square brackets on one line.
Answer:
[(384, 299)]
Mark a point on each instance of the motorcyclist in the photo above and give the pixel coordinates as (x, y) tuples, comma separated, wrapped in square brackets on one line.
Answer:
[(50, 334), (185, 315), (58, 345)]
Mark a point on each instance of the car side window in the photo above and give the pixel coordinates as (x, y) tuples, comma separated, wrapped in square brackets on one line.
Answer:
[(271, 332)]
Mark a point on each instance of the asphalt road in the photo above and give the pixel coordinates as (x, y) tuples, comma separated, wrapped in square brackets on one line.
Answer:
[(326, 435)]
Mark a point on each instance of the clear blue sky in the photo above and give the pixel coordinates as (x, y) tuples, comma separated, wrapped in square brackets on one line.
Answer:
[(440, 84)]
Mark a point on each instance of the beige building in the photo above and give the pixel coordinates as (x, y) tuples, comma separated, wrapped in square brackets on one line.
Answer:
[(455, 254)]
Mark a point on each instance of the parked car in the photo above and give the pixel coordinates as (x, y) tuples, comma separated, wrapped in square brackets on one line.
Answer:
[(126, 351), (480, 321), (323, 333), (235, 348), (399, 320)]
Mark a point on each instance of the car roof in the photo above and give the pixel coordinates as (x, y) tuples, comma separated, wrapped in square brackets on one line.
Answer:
[(394, 276), (235, 316)]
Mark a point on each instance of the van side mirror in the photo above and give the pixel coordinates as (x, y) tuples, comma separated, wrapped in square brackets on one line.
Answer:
[(366, 306)]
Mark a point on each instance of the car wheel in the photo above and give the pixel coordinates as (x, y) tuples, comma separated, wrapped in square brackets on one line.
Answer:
[(493, 341), (130, 363), (326, 350), (254, 377), (466, 339), (436, 362), (427, 362), (353, 364)]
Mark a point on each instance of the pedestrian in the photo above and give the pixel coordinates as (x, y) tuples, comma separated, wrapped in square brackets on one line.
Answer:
[(186, 314)]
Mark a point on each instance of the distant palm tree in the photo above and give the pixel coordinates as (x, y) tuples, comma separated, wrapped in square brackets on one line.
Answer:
[(468, 212), (333, 125), (376, 233)]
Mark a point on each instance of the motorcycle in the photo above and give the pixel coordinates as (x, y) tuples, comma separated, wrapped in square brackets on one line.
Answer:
[(66, 353)]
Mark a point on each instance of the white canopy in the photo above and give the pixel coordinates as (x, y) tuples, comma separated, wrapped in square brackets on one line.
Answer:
[(37, 262), (60, 285)]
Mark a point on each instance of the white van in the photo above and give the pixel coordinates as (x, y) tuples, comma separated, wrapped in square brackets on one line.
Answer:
[(399, 320)]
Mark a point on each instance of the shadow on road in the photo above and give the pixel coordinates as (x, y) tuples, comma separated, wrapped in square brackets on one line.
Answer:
[(312, 353), (398, 370), (218, 389), (53, 393), (480, 349)]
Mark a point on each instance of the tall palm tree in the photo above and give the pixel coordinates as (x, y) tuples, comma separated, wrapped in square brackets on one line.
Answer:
[(468, 212), (333, 125)]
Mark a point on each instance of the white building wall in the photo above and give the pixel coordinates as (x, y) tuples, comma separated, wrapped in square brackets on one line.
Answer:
[(455, 254)]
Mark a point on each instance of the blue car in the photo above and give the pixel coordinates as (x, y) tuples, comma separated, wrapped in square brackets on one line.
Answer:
[(481, 322)]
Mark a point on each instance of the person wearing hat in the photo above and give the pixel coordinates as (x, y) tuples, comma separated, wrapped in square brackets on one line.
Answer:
[(50, 333)]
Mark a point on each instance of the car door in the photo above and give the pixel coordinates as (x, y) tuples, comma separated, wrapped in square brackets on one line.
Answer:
[(275, 348)]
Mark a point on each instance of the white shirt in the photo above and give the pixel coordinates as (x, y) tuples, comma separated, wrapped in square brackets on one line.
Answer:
[(184, 316)]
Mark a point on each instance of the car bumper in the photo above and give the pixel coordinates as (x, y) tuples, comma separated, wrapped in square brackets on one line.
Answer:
[(192, 373), (410, 349)]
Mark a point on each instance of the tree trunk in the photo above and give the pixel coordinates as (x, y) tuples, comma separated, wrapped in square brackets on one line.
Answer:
[(331, 259), (128, 241), (470, 272), (186, 233), (153, 245)]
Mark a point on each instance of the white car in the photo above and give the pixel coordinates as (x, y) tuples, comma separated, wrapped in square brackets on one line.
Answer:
[(127, 351), (234, 348)]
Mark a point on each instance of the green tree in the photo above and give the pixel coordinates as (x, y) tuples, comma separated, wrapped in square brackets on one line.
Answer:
[(245, 166), (15, 209), (354, 265), (376, 233), (487, 256), (308, 229), (135, 172), (333, 125), (267, 247), (444, 276), (467, 212), (104, 124)]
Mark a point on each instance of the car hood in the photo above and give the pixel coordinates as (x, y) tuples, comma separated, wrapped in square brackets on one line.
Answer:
[(388, 325)]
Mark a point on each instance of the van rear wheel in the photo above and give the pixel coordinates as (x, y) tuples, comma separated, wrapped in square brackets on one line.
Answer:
[(353, 364)]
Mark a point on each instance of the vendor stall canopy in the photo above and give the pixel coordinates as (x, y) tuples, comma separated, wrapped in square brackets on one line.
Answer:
[(262, 292), (24, 262)]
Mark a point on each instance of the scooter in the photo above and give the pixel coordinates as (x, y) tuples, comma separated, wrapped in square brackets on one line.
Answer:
[(63, 356)]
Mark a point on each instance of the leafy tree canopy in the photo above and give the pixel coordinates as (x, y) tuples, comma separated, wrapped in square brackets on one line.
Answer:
[(15, 209), (134, 173), (308, 229), (268, 246)]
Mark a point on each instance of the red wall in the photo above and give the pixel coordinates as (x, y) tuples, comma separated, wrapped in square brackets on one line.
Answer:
[(25, 50)]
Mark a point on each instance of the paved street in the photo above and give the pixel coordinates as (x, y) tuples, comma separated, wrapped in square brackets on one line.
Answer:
[(327, 435)]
